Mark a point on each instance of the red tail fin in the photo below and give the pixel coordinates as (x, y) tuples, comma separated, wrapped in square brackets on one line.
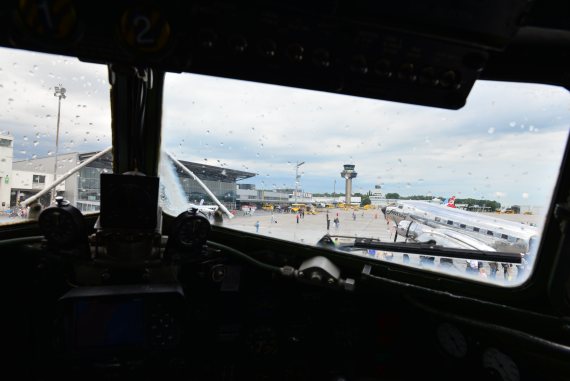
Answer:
[(451, 202)]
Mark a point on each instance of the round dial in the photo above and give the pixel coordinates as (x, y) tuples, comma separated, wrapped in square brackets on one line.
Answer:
[(190, 230), (59, 226), (452, 341), (193, 230), (500, 366)]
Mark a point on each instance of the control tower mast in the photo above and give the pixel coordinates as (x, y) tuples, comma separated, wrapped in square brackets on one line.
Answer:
[(348, 174)]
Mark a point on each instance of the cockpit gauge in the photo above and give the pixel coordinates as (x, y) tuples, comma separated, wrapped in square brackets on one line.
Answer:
[(190, 230), (500, 366), (62, 225), (451, 340)]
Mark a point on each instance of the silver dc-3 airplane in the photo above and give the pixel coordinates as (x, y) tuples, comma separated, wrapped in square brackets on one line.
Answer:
[(445, 225)]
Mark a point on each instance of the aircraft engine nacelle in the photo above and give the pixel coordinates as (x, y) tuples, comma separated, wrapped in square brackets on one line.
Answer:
[(411, 229)]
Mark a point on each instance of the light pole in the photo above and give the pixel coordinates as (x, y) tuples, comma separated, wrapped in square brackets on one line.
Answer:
[(59, 92), (297, 178)]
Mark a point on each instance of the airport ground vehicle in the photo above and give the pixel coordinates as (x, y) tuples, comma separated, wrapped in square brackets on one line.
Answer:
[(187, 302), (298, 207), (268, 207)]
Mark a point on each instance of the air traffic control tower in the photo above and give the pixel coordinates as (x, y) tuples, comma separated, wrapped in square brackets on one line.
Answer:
[(348, 174)]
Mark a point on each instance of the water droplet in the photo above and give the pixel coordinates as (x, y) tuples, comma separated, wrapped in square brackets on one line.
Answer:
[(25, 138), (525, 195), (512, 124), (338, 146), (531, 128), (479, 154), (221, 144), (23, 152), (36, 143), (50, 153), (257, 154), (10, 99), (400, 160), (491, 130), (34, 156), (207, 131), (48, 116), (205, 159)]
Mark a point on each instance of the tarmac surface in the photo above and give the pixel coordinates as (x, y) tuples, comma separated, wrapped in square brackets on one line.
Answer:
[(371, 224)]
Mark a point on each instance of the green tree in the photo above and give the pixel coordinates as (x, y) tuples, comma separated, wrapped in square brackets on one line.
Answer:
[(392, 195), (365, 200)]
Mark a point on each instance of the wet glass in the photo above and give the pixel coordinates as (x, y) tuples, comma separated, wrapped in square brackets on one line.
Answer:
[(280, 161), (55, 111)]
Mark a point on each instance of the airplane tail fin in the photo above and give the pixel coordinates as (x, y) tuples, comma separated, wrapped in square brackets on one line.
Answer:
[(451, 202)]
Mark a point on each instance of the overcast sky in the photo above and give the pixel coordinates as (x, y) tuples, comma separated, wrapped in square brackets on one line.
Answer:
[(506, 144)]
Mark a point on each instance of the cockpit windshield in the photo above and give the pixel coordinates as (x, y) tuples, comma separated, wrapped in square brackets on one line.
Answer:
[(326, 169), (360, 176)]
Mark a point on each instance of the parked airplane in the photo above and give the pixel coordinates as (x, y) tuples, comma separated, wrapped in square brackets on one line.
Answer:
[(450, 202), (448, 226)]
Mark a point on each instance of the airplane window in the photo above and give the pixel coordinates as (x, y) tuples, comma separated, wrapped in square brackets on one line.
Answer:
[(282, 161), (40, 93)]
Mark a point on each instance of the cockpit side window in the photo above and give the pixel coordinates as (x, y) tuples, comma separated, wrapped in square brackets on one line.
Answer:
[(47, 94)]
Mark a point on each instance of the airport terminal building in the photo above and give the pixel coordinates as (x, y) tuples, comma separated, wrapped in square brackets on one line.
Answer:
[(22, 179)]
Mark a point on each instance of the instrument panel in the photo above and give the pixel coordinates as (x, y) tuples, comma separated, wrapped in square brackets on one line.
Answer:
[(221, 317)]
